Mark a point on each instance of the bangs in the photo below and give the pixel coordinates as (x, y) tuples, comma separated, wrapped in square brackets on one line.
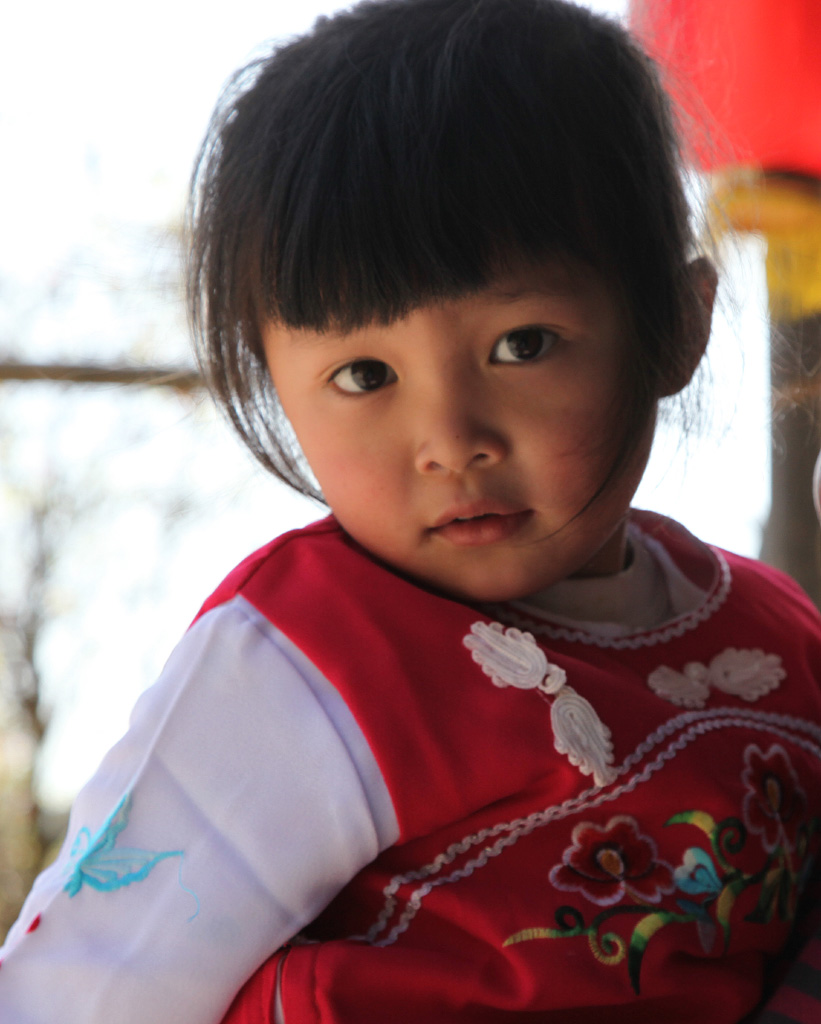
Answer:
[(421, 188), (387, 176)]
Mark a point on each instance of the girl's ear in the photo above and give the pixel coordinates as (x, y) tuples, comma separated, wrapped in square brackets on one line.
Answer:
[(697, 325)]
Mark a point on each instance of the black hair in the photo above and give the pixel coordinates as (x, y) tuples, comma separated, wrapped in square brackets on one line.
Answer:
[(407, 151)]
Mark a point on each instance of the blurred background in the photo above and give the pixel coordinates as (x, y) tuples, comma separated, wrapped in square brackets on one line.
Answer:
[(124, 500)]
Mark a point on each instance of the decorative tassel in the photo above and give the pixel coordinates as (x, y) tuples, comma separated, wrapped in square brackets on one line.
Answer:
[(579, 733), (746, 674), (513, 658)]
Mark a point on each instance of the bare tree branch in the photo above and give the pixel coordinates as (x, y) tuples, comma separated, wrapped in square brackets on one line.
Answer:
[(180, 378)]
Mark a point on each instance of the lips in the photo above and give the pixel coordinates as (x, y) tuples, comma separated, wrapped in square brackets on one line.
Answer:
[(472, 528)]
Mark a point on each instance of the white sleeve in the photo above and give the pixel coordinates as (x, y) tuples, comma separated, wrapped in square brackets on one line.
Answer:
[(242, 798)]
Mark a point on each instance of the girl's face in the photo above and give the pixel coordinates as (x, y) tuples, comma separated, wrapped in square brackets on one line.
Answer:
[(460, 443)]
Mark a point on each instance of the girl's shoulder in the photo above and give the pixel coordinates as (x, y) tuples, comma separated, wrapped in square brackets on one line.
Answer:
[(705, 564), (266, 559)]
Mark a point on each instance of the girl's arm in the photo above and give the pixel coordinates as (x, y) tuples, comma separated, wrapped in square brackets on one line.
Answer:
[(242, 798), (797, 1000)]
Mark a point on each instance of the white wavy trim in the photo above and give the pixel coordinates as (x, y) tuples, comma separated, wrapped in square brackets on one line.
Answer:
[(517, 614), (689, 726), (513, 658), (746, 674)]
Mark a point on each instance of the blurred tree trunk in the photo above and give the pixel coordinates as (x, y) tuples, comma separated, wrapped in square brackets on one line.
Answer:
[(792, 538), (25, 837), (184, 379)]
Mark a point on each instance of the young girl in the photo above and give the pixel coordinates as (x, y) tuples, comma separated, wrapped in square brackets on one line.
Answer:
[(485, 745)]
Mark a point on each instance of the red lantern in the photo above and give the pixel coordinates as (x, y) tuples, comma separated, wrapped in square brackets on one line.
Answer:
[(750, 70)]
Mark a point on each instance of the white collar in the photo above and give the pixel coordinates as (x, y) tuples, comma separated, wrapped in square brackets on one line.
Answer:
[(650, 591)]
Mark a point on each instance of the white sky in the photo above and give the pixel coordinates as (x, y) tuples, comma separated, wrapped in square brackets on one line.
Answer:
[(102, 106)]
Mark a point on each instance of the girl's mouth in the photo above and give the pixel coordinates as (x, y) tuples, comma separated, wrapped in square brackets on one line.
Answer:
[(488, 528)]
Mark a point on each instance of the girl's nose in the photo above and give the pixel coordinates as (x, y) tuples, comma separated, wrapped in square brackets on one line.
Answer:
[(459, 436)]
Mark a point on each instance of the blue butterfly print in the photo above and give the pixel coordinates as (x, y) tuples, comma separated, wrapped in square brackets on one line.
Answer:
[(99, 863)]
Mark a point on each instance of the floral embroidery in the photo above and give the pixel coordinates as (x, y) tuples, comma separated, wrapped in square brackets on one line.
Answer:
[(744, 674), (100, 864), (775, 803), (697, 876), (513, 658), (616, 867), (606, 862), (407, 891)]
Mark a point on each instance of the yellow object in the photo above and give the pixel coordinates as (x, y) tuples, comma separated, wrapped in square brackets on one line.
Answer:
[(787, 212)]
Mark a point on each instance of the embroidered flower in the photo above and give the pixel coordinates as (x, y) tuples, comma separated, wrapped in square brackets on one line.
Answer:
[(605, 862), (774, 802), (697, 874), (807, 863)]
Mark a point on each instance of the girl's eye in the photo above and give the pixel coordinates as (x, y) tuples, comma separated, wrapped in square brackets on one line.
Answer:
[(364, 375), (523, 345)]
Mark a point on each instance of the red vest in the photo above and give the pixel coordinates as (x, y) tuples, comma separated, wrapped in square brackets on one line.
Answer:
[(517, 887)]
